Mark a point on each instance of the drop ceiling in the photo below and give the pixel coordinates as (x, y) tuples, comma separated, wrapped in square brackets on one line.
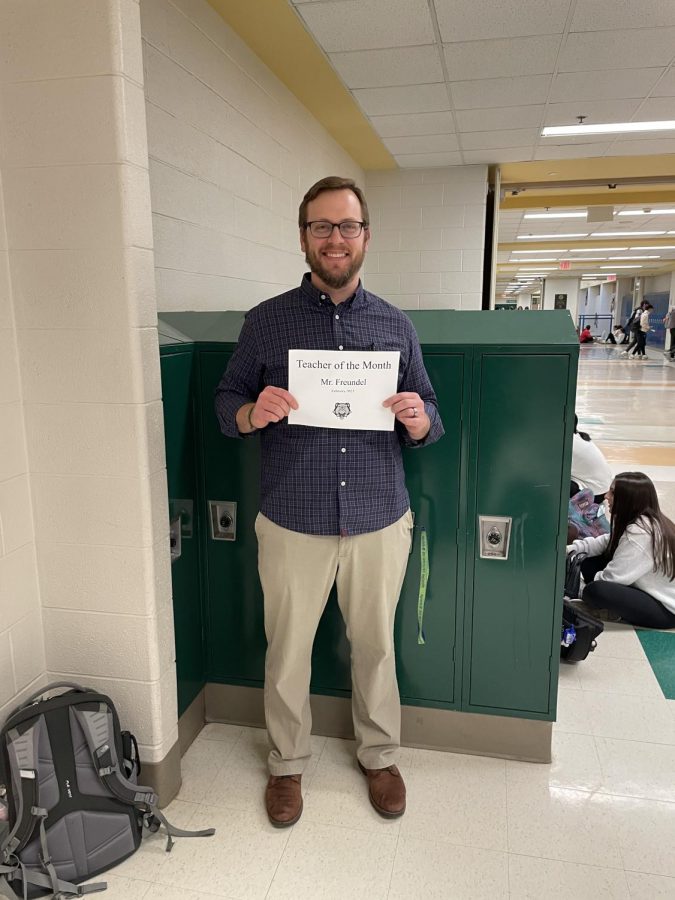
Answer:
[(460, 82)]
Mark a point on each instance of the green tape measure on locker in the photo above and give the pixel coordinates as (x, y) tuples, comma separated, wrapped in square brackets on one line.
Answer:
[(424, 578)]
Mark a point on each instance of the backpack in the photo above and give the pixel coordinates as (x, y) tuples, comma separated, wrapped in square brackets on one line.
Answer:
[(579, 633), (75, 807), (585, 514)]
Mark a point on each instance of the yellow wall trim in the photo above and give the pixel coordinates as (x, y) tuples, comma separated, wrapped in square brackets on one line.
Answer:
[(275, 33)]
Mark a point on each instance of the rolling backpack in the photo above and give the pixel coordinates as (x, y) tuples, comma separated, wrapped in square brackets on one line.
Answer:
[(74, 802)]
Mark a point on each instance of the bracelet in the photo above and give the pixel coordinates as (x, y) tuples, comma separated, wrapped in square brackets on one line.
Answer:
[(250, 412)]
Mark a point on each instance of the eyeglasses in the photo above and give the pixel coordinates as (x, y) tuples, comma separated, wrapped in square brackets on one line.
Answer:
[(323, 229)]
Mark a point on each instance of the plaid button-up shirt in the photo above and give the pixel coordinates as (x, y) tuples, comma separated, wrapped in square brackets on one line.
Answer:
[(326, 481)]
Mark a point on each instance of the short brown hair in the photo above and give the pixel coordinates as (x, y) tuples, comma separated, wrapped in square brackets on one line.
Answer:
[(332, 183)]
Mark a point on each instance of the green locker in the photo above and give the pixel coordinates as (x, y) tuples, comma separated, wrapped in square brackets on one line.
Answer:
[(505, 387)]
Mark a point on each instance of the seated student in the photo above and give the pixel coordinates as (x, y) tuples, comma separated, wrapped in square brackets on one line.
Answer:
[(630, 572), (617, 336), (589, 466), (586, 337)]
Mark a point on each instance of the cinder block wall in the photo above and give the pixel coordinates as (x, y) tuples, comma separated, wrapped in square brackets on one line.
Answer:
[(22, 654), (74, 166), (232, 152), (428, 236)]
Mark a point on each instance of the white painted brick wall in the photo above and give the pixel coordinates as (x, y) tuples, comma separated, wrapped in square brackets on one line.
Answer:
[(426, 250), (73, 150), (22, 654), (231, 154)]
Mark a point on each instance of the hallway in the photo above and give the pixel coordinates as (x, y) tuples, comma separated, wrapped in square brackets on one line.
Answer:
[(598, 822)]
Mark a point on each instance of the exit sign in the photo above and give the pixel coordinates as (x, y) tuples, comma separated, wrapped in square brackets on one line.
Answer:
[(611, 278), (564, 264)]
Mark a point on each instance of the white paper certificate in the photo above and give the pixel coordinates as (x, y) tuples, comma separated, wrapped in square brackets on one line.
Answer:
[(343, 388)]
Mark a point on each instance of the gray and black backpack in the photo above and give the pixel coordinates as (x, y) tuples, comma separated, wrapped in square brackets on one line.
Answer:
[(75, 806)]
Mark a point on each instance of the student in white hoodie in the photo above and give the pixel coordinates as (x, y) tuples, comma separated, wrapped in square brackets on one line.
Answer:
[(630, 572)]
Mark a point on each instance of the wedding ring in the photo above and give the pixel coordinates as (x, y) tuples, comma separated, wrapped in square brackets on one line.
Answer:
[(414, 412)]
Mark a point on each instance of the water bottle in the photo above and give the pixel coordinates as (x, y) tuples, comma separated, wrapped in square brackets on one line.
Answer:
[(569, 636)]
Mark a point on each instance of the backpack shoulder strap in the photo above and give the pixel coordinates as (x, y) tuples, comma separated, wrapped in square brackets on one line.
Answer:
[(98, 729)]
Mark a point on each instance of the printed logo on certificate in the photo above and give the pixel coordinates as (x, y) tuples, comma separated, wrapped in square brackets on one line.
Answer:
[(343, 388)]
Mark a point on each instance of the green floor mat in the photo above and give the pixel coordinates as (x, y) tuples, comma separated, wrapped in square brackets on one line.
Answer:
[(660, 649)]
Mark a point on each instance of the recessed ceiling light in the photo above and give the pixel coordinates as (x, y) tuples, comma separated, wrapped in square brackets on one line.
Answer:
[(635, 257), (594, 249), (550, 250), (662, 247), (621, 234), (542, 259), (581, 259), (642, 212), (620, 267), (564, 215), (557, 237), (607, 128), (540, 269)]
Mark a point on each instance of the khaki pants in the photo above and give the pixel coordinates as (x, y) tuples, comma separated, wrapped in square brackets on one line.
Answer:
[(297, 572)]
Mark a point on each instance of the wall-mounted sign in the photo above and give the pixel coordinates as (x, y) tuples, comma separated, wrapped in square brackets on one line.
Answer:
[(564, 264), (560, 301)]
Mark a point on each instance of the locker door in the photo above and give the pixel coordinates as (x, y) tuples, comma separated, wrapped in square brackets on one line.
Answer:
[(426, 672), (518, 473)]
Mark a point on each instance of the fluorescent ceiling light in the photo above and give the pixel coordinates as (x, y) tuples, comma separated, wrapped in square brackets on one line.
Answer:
[(594, 275), (644, 212), (550, 250), (540, 260), (635, 257), (620, 267), (595, 249), (662, 247), (607, 128), (620, 234), (564, 215), (557, 237), (587, 259), (540, 269)]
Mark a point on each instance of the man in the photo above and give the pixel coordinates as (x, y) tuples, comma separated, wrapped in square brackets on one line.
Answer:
[(334, 507), (669, 323)]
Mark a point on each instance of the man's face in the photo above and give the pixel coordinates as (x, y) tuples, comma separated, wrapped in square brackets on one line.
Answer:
[(335, 260)]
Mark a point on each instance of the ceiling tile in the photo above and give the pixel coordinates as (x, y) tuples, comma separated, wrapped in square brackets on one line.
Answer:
[(638, 148), (411, 99), (666, 86), (501, 117), (422, 143), (604, 15), (596, 111), (466, 20), (368, 24), (394, 66), (631, 48), (569, 151), (417, 160), (612, 84), (501, 155), (415, 123), (656, 109), (494, 59), (490, 92), (488, 140)]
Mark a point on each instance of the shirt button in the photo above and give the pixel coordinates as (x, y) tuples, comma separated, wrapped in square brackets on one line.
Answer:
[(323, 296), (337, 317), (340, 347), (343, 483), (343, 450)]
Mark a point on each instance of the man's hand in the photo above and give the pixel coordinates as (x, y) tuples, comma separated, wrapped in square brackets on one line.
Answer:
[(408, 408), (273, 404)]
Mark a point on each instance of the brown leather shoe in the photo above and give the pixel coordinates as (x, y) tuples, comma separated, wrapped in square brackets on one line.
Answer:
[(283, 799), (386, 790)]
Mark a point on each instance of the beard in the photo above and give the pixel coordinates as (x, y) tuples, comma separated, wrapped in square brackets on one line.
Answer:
[(332, 279)]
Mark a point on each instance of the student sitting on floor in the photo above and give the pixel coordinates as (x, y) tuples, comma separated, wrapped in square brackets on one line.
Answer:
[(630, 572), (586, 337)]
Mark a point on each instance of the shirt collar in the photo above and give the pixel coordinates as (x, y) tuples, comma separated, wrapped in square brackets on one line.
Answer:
[(320, 298)]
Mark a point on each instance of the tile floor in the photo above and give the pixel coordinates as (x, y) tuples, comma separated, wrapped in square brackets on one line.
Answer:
[(599, 822)]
